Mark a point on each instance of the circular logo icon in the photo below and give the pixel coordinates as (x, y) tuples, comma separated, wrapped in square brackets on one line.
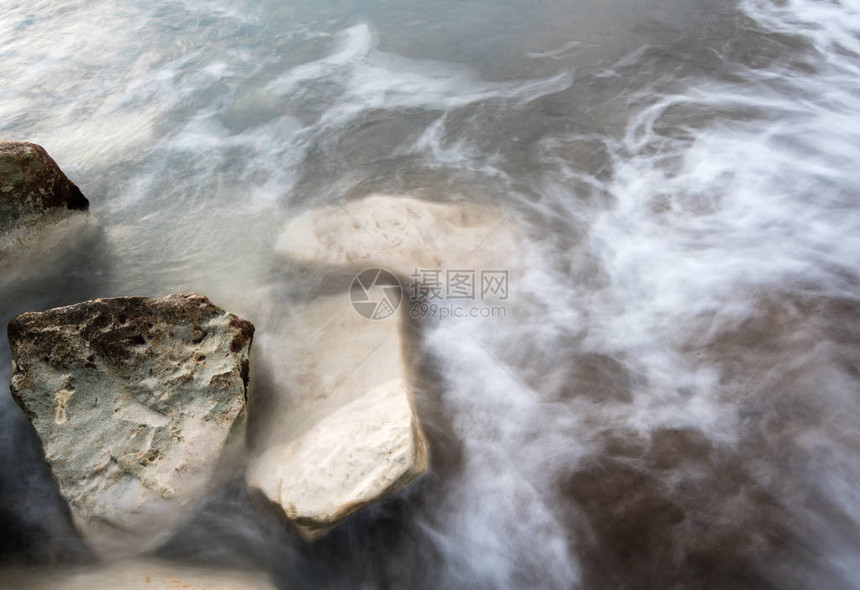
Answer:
[(375, 293)]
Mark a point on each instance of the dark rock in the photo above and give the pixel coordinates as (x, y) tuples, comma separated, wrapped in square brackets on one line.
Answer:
[(32, 185)]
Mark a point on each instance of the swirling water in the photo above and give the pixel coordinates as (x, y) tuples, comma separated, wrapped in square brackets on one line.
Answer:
[(670, 401)]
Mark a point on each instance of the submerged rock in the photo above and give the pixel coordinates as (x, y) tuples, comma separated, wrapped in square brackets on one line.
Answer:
[(137, 575), (344, 433), (402, 234), (134, 400)]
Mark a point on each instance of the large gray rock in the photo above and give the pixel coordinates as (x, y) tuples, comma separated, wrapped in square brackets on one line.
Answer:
[(344, 433), (134, 399), (33, 189)]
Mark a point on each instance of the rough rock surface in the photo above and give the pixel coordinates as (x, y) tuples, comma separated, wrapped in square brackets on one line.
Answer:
[(33, 188), (137, 575), (401, 234), (134, 400), (344, 433)]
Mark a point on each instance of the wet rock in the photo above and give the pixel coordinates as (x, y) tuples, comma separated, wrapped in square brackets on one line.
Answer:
[(343, 432), (365, 451), (31, 185), (33, 189), (137, 575), (134, 400), (42, 215), (401, 234)]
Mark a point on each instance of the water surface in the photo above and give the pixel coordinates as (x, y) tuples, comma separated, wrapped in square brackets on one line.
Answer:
[(670, 401)]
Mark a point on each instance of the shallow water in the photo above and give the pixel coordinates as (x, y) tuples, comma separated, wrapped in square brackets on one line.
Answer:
[(670, 400)]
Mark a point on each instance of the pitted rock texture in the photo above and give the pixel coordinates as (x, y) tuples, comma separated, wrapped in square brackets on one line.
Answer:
[(33, 188), (134, 400)]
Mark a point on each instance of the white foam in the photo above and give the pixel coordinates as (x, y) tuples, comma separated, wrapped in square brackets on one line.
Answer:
[(364, 78)]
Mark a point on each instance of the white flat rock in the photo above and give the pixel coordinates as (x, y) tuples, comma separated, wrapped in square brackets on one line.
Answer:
[(359, 454), (401, 234), (344, 434)]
